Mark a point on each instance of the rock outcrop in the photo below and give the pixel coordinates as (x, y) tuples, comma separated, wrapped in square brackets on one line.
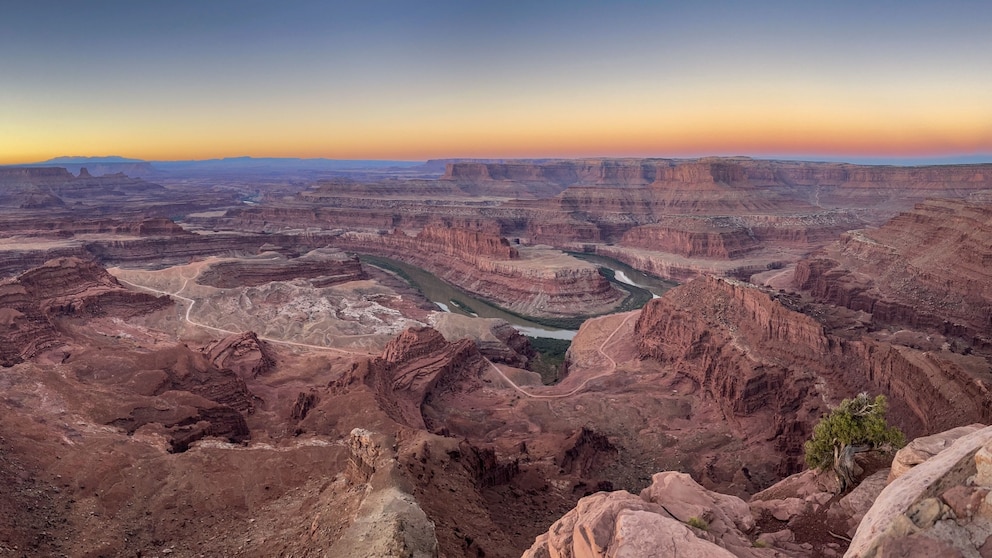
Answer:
[(933, 507), (416, 372), (390, 522), (32, 304), (673, 516), (178, 393), (902, 272), (923, 448), (244, 353), (837, 184), (762, 353), (322, 267), (744, 349), (496, 339), (694, 237)]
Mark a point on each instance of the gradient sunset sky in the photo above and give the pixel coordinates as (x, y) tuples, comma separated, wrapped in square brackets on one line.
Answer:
[(417, 80)]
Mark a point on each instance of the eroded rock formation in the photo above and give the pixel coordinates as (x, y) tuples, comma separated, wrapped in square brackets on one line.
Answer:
[(32, 304), (245, 354), (928, 268), (322, 267), (416, 371), (746, 350), (762, 353)]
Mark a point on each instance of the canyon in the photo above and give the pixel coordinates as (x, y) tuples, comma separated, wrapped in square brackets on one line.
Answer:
[(213, 366)]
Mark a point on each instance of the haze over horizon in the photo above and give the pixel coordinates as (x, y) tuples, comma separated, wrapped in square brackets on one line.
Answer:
[(405, 81)]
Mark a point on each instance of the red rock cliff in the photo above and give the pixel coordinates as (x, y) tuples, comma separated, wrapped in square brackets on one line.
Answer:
[(759, 355), (416, 371), (31, 304), (928, 268)]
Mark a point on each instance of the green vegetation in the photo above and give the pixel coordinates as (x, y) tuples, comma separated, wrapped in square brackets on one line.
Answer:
[(698, 523), (555, 323), (636, 297), (550, 357), (856, 426)]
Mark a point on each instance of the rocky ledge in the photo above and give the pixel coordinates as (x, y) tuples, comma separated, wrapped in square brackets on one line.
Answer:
[(928, 268), (938, 504), (32, 304), (322, 267), (770, 359)]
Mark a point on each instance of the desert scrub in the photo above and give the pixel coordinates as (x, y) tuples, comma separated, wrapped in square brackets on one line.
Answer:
[(698, 523)]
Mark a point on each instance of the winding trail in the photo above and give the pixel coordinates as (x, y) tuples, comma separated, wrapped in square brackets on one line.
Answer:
[(611, 369), (191, 321), (190, 302)]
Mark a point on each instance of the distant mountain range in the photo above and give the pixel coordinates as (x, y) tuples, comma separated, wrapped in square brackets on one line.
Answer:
[(232, 166), (314, 169), (85, 160), (319, 163), (228, 163)]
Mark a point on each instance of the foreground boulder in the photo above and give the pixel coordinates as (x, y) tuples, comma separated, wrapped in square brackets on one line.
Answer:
[(940, 507), (673, 516)]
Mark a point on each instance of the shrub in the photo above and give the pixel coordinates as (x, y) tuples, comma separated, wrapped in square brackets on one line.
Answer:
[(857, 425), (698, 523)]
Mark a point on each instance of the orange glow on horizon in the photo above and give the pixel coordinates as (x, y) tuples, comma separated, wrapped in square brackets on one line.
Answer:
[(616, 134)]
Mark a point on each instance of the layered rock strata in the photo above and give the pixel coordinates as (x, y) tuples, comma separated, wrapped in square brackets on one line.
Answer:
[(416, 372), (758, 355), (32, 304), (745, 349), (244, 353), (929, 268), (322, 267), (532, 282)]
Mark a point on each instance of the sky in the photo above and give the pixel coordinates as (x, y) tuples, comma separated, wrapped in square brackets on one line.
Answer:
[(167, 80)]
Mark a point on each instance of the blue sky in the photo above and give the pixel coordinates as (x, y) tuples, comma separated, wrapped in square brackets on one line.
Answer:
[(444, 79)]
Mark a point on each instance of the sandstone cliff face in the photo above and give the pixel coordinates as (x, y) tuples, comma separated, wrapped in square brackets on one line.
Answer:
[(729, 171), (463, 243), (538, 283), (66, 228), (31, 304), (928, 268), (744, 349), (712, 238), (322, 267), (415, 373), (181, 249), (84, 189), (613, 196), (760, 355), (27, 176)]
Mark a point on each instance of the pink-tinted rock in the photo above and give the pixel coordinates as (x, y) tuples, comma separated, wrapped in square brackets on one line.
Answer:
[(965, 501), (782, 510), (916, 545), (949, 467), (924, 447)]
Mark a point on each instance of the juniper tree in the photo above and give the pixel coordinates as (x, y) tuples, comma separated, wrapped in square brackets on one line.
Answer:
[(856, 425)]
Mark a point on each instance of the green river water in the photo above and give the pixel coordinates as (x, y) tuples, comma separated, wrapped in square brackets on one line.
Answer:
[(451, 299)]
